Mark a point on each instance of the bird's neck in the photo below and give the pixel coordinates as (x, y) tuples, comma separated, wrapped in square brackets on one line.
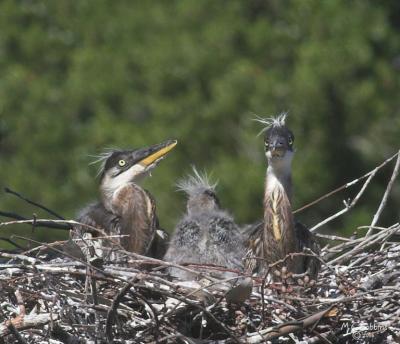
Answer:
[(278, 218), (135, 213), (121, 199), (106, 196), (109, 190), (278, 179)]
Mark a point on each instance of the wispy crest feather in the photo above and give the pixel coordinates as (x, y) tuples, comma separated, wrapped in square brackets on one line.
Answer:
[(196, 183), (101, 159), (270, 122)]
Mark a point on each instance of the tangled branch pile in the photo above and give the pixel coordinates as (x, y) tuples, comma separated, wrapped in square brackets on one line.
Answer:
[(64, 300)]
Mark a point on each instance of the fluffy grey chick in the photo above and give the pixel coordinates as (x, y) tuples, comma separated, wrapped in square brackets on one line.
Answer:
[(206, 234)]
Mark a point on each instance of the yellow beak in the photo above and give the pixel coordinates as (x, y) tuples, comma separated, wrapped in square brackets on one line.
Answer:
[(159, 153)]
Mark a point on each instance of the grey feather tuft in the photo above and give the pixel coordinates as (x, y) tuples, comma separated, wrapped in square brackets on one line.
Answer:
[(196, 183), (102, 159), (271, 122)]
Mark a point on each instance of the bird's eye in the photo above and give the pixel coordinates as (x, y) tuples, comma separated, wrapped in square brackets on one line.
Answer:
[(266, 144), (122, 163), (290, 141)]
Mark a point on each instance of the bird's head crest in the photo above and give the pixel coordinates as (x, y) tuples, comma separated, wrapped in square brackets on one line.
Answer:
[(272, 122), (196, 183), (101, 159)]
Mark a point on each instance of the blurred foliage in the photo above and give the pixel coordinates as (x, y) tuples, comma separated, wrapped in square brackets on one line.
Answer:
[(79, 76)]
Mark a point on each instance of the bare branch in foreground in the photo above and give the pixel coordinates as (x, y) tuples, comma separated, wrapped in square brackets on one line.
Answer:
[(38, 223), (23, 321), (286, 328), (347, 185), (348, 206), (386, 195), (51, 212)]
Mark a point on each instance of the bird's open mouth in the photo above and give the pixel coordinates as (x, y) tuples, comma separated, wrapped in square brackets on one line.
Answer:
[(278, 153), (156, 153)]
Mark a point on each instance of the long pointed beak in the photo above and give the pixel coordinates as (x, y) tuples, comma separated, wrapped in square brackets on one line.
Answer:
[(156, 152)]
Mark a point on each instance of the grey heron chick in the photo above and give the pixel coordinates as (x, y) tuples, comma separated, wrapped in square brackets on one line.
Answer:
[(278, 234), (206, 234), (125, 208)]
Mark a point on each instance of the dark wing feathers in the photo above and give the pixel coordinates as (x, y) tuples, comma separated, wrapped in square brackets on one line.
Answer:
[(304, 238), (135, 216), (96, 215), (307, 240)]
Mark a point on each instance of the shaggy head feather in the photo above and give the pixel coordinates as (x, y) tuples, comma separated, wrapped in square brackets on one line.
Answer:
[(196, 183), (272, 122)]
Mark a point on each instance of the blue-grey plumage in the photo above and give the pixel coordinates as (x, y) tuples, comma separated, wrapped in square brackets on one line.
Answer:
[(206, 234), (125, 208)]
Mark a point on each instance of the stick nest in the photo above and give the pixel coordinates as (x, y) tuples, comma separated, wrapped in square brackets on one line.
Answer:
[(356, 297)]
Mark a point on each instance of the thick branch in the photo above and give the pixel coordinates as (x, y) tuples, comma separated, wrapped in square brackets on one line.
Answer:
[(38, 223), (286, 328)]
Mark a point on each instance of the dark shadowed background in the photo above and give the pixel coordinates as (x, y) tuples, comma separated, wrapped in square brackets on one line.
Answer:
[(79, 76)]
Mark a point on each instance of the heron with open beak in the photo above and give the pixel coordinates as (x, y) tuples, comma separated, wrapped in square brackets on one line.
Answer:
[(278, 235), (125, 209)]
